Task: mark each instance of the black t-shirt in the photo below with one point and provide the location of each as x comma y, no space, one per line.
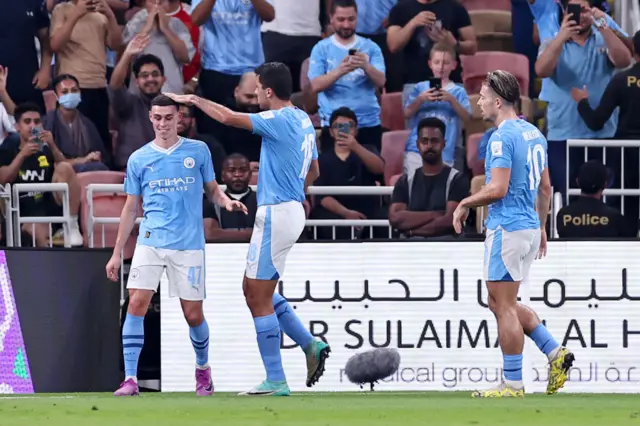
588,217
236,140
233,220
416,53
428,192
218,153
37,168
350,172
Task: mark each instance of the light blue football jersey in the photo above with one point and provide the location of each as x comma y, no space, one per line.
288,147
517,145
170,182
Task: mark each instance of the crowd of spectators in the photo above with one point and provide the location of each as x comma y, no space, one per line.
77,78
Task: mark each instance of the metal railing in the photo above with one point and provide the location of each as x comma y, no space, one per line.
602,144
15,221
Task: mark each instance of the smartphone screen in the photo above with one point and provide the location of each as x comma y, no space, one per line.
574,11
435,83
352,51
344,128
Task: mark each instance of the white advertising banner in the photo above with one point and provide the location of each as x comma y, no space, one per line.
427,300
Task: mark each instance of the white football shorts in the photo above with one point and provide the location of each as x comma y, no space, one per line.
275,231
185,271
508,256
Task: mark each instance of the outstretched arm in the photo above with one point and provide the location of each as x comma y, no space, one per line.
216,195
216,111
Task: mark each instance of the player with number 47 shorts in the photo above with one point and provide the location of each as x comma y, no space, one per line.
518,192
288,164
169,174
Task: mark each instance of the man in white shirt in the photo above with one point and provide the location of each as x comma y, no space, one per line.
290,37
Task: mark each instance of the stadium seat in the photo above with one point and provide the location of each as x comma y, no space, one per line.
478,125
86,178
481,214
50,100
486,4
254,178
107,205
475,165
394,179
493,30
476,67
391,111
393,152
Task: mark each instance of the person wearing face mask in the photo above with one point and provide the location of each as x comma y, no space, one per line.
235,139
76,136
423,202
132,110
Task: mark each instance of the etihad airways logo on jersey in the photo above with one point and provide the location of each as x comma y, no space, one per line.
172,184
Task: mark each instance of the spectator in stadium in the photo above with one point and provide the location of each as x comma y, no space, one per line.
438,97
373,20
76,136
581,54
221,225
235,139
27,157
423,203
81,31
347,70
588,216
187,129
232,46
416,25
7,122
169,40
176,9
21,22
132,110
290,37
347,163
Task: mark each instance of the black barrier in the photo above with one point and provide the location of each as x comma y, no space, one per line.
68,313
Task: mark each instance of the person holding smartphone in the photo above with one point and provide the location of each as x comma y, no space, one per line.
441,98
349,163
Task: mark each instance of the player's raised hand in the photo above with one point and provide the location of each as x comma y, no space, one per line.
236,206
182,99
460,215
113,268
138,44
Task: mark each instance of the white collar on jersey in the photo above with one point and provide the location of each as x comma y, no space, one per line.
169,150
345,46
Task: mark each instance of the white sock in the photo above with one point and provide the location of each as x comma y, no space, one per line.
74,222
553,353
134,378
515,384
202,367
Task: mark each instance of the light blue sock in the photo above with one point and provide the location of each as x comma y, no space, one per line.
544,340
512,367
290,323
200,341
132,341
268,332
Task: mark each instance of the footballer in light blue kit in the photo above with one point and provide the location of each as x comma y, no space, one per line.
288,164
168,174
518,192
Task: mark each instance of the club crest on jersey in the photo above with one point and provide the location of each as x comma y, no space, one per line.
189,163
496,148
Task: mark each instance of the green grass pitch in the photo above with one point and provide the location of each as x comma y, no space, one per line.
320,409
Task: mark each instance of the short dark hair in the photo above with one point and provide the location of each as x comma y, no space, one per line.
504,84
234,156
592,177
277,77
64,77
147,59
432,122
164,101
343,112
636,43
343,3
192,110
25,108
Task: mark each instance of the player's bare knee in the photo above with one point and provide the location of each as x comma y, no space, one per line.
63,172
139,302
193,313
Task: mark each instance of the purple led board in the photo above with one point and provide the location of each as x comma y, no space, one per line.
15,376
